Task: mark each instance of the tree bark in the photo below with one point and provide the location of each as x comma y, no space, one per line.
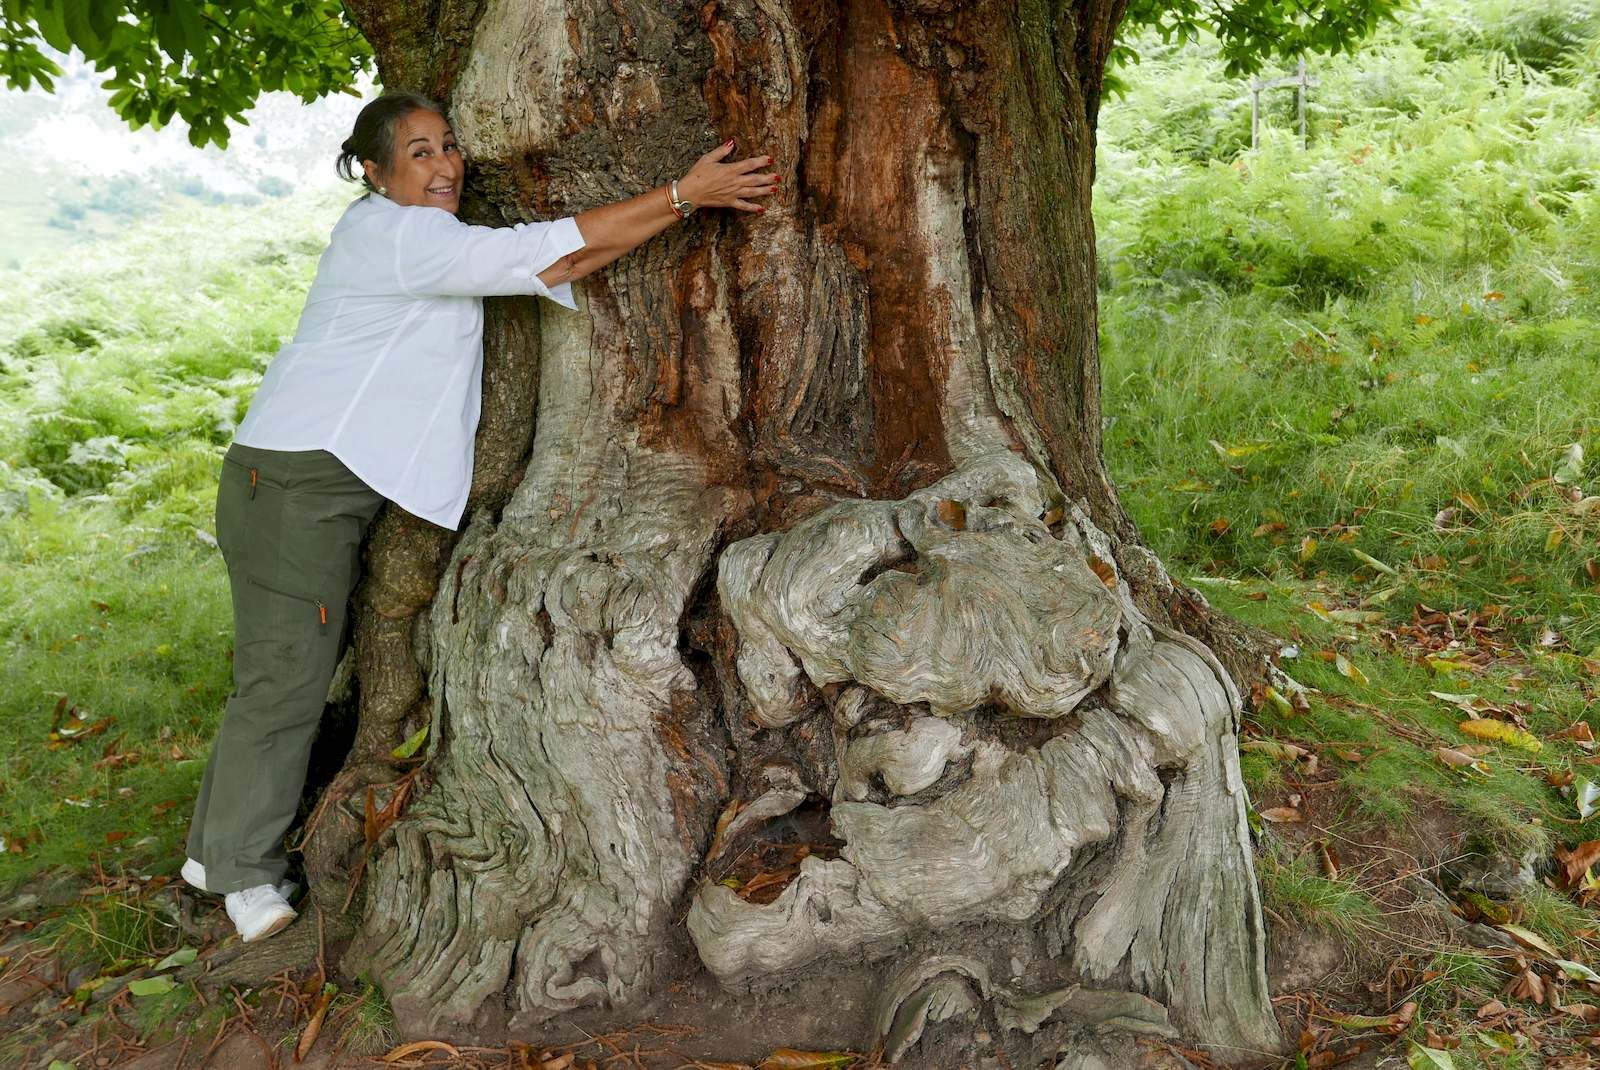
799,529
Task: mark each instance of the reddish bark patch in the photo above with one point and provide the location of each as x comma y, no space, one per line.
876,116
691,406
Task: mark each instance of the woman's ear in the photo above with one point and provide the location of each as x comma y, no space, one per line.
371,170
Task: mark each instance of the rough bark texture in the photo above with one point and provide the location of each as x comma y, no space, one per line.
800,521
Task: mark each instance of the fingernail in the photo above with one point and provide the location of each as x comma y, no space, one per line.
728,142
760,209
769,159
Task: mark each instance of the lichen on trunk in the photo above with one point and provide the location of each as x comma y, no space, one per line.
813,527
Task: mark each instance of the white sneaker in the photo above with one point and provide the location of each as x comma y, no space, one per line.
194,875
258,912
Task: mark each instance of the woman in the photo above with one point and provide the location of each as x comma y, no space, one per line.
376,398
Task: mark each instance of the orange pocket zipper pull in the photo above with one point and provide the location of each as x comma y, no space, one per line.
252,482
322,613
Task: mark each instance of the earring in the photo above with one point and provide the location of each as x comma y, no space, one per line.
383,189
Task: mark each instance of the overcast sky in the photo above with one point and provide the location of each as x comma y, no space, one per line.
67,149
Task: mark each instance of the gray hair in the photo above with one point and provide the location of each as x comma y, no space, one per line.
374,134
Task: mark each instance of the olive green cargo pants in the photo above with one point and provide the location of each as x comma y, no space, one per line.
290,526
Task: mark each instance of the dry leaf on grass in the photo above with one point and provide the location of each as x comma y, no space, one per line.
1273,748
1576,862
1500,732
1529,938
1458,759
308,1036
1393,1024
1348,669
1578,732
1527,985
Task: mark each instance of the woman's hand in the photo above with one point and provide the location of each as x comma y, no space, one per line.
611,230
712,184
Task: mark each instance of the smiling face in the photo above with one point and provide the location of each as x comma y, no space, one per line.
426,168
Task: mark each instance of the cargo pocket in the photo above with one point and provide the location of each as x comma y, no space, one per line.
247,504
253,476
278,633
315,608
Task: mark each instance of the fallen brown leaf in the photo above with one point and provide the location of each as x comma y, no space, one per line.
1526,985
1457,758
1438,1041
1579,732
1576,862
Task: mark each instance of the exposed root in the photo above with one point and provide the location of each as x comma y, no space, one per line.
1122,831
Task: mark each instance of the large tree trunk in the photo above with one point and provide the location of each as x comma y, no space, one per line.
801,523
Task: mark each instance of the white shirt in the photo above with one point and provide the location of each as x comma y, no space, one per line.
385,369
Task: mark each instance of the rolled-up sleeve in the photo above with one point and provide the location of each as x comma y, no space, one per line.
438,255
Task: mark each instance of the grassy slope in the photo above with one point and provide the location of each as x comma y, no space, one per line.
1378,349
1381,346
123,376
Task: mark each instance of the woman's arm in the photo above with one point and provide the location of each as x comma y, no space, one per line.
615,229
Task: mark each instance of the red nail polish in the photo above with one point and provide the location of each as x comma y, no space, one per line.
760,209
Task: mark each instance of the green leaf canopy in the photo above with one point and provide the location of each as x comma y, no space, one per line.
205,63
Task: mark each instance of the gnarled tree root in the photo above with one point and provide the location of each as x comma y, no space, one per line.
934,629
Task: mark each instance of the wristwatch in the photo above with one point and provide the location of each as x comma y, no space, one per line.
681,209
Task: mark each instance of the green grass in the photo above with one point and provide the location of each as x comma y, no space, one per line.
1454,976
122,377
365,1021
1348,380
1295,892
1556,918
159,1018
1377,348
109,933
1368,330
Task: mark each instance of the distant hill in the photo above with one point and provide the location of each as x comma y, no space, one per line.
77,171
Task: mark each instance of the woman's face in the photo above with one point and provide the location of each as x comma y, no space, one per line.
427,166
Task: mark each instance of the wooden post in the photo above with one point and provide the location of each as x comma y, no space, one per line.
1300,99
1255,113
1302,83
